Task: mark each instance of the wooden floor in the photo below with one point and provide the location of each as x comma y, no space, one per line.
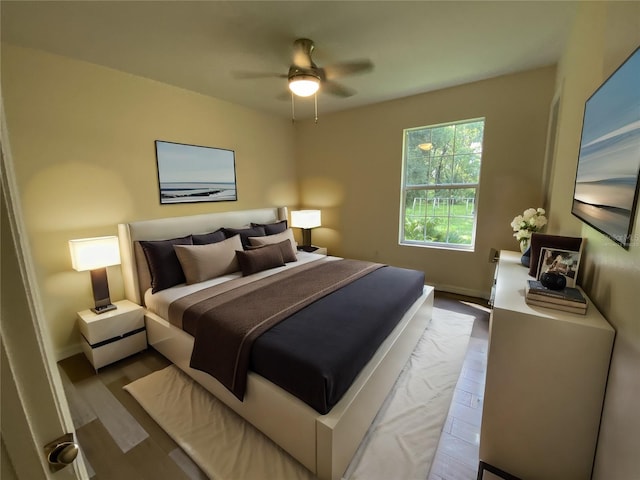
120,441
117,437
457,454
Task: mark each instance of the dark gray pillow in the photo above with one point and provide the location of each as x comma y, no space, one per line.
245,233
272,228
207,238
163,262
259,259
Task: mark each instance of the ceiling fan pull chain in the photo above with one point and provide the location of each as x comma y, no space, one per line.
293,108
315,101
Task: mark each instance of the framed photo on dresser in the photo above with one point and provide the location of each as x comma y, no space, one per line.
564,262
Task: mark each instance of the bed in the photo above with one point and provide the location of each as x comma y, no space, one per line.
321,437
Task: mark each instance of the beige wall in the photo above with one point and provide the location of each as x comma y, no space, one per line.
605,33
350,166
82,138
82,142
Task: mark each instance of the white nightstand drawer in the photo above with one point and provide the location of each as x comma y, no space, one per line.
96,328
115,350
110,336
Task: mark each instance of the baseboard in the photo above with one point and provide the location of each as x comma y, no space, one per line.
68,352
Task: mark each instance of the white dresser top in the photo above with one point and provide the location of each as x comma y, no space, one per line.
512,272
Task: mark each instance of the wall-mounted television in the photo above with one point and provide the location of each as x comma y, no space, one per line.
192,173
606,188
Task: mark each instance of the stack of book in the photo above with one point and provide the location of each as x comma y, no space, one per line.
568,299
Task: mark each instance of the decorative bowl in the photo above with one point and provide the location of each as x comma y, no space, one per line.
553,280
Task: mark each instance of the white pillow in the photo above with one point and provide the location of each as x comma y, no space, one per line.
275,238
203,262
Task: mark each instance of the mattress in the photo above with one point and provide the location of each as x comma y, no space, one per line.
316,353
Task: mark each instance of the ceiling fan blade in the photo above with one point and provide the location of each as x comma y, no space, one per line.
250,75
336,89
338,70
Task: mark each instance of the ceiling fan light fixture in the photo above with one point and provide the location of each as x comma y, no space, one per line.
304,85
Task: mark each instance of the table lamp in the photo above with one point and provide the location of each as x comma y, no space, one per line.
96,254
306,220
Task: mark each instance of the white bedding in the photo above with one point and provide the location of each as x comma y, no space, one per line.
159,302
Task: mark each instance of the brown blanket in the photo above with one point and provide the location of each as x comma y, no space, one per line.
225,326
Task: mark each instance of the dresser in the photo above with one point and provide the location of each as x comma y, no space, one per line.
546,379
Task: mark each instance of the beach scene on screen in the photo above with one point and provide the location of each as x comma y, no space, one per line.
609,159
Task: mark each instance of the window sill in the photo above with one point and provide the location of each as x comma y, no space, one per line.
440,246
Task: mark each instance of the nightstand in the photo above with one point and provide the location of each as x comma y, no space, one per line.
318,250
114,335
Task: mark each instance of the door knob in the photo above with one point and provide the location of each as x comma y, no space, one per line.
61,452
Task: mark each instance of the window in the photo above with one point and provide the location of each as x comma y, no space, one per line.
440,178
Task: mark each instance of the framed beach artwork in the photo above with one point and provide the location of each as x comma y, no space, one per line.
192,173
606,187
564,262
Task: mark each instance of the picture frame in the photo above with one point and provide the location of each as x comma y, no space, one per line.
564,262
607,177
557,242
194,173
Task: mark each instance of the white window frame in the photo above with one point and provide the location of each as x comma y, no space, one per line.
437,187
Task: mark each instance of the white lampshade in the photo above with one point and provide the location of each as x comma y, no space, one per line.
304,85
93,253
306,218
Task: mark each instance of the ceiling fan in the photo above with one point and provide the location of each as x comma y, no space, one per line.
305,78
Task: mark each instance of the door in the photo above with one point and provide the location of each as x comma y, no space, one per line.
34,408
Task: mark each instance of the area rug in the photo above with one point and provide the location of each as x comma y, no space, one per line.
400,443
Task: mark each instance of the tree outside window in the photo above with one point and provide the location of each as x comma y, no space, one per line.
441,174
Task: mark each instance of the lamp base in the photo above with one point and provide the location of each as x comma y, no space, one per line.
307,248
100,287
103,308
306,237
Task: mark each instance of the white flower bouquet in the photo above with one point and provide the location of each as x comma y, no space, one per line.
532,220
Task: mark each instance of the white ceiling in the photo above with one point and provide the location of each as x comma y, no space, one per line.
416,46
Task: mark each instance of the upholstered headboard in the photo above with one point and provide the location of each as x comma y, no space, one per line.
135,271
